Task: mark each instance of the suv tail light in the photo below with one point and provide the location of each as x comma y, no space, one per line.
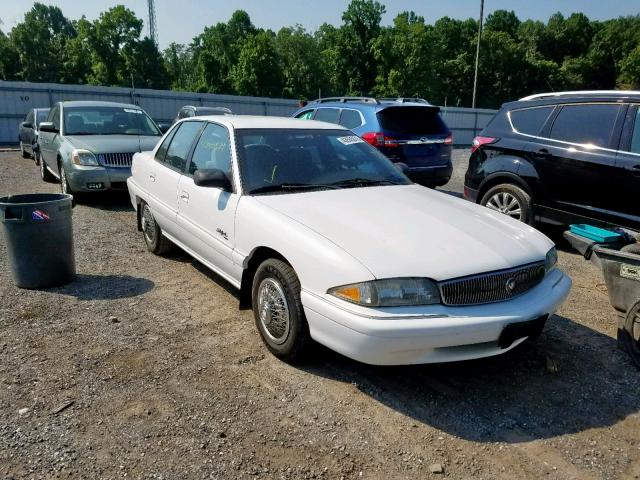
449,139
378,139
480,141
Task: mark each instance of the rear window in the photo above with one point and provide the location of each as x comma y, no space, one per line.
530,120
412,120
586,124
327,115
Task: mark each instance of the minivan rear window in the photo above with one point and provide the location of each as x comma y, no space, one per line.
530,120
412,120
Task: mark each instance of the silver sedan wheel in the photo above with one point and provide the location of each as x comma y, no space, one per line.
148,225
63,180
273,310
506,203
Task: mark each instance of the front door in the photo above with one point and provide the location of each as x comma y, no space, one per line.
626,205
207,214
49,141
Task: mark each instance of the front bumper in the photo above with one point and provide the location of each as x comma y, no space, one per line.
433,176
91,179
428,334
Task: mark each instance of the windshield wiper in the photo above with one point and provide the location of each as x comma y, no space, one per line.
291,187
362,181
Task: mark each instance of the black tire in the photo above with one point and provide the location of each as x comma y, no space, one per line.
45,174
36,157
632,248
156,242
632,328
293,340
504,195
23,152
64,182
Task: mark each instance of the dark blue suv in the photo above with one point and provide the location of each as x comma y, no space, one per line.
406,130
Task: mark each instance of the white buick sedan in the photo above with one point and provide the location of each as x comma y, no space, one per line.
327,240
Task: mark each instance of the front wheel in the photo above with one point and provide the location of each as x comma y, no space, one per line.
23,152
156,242
64,181
278,310
510,200
36,157
45,174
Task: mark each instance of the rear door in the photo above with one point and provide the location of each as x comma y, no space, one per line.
575,158
48,140
327,114
626,204
207,214
164,174
415,135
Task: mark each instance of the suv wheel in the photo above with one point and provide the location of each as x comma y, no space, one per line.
510,200
278,311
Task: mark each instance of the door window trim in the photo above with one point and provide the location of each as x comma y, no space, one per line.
352,110
189,152
546,129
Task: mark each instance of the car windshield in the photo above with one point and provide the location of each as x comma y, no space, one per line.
108,121
288,160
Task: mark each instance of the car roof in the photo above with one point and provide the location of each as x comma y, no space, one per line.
96,103
554,98
366,103
257,121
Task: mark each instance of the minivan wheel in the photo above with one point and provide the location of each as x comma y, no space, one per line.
156,242
278,311
510,200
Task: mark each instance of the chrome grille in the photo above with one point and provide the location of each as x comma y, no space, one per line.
491,287
115,159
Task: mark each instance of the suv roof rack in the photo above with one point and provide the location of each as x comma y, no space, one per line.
405,100
604,93
346,99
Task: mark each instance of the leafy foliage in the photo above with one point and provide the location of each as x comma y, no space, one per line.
359,57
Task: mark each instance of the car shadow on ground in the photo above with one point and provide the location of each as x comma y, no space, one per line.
105,287
116,201
570,380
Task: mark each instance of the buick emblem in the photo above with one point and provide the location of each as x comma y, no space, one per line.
511,285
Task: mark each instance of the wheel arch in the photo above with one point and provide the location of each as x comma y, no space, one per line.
252,262
503,177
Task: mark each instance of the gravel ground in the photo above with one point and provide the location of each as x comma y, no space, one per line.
144,367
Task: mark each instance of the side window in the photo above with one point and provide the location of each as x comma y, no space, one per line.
161,153
29,117
54,116
212,150
327,115
350,119
635,137
587,124
530,120
181,144
306,115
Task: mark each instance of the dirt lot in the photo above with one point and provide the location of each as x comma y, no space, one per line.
169,380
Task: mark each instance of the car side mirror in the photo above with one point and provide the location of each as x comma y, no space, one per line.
212,177
26,125
48,127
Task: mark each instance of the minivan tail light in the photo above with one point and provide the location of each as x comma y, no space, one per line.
480,141
449,139
378,139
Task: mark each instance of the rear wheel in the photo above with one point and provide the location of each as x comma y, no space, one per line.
511,200
632,326
36,156
278,311
156,242
23,152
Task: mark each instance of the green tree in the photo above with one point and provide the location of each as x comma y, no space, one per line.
298,54
40,41
178,60
9,59
258,71
503,21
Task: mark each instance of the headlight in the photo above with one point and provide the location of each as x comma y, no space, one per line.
84,157
391,292
551,259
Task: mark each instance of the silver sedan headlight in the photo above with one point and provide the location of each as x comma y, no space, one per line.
390,292
551,259
84,157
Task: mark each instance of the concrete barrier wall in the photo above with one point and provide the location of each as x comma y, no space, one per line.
17,98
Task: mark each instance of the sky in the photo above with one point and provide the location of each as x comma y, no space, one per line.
181,20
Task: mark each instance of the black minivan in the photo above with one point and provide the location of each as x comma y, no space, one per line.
569,157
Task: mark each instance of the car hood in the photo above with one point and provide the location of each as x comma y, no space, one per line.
410,230
114,143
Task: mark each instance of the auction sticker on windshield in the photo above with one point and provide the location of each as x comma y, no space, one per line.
130,110
350,140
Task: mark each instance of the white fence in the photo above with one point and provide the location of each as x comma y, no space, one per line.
17,98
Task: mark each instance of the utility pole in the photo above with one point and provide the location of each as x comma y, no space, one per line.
153,27
475,77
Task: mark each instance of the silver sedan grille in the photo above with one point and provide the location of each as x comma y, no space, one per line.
491,287
115,159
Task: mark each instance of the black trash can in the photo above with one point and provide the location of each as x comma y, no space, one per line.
39,237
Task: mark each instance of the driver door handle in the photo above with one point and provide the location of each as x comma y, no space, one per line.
152,177
543,153
184,196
